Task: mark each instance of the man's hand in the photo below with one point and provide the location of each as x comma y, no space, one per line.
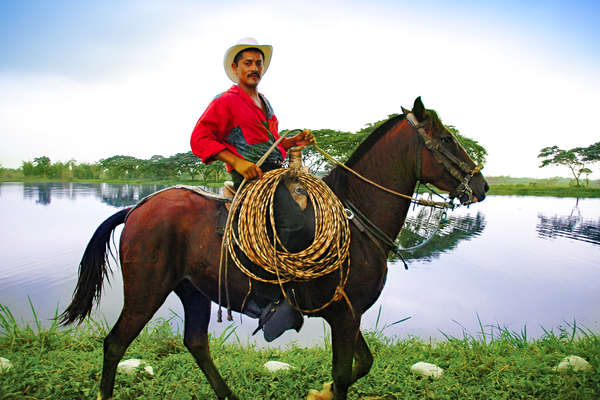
247,169
304,138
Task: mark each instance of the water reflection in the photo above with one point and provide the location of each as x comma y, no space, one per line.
445,234
124,195
573,226
495,260
40,191
115,195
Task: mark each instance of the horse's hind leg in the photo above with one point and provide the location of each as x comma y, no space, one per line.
134,316
197,315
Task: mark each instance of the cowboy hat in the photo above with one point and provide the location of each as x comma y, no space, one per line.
243,44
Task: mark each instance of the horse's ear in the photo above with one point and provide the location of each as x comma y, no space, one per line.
419,109
404,110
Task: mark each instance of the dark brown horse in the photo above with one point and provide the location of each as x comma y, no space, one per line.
169,244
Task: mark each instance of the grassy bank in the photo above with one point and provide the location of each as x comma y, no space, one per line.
554,187
543,190
66,364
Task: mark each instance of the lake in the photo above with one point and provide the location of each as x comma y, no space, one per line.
510,261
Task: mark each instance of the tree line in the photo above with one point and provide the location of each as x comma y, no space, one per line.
577,159
186,166
120,167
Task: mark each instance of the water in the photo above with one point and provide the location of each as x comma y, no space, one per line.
510,261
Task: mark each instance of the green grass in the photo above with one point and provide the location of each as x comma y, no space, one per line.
53,363
533,189
554,187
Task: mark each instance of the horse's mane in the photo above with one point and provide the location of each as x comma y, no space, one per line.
434,120
370,140
337,179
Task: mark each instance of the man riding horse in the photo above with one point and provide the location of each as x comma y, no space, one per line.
238,127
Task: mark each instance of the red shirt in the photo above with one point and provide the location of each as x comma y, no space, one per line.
233,122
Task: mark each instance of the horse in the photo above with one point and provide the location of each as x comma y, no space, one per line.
170,244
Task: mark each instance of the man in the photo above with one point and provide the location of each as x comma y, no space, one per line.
239,126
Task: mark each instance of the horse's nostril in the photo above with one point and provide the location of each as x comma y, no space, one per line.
486,187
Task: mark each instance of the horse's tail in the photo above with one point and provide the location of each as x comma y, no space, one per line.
93,268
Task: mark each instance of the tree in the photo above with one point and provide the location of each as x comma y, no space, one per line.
476,151
28,168
574,159
160,167
121,166
338,144
342,144
87,171
587,173
590,153
188,164
41,166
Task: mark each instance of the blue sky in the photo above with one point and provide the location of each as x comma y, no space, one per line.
88,80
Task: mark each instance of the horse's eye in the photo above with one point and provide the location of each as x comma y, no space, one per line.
447,139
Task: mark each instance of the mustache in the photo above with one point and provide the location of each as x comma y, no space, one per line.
256,74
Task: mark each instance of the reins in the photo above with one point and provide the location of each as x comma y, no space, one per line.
252,201
405,196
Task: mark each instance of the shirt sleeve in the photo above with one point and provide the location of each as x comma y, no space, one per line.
210,132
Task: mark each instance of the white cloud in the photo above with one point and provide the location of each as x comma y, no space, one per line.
333,67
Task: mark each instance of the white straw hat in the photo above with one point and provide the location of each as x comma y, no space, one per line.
242,44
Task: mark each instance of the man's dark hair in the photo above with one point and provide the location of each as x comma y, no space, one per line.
239,54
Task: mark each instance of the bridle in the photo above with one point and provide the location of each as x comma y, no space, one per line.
448,160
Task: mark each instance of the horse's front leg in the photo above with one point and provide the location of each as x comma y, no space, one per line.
344,333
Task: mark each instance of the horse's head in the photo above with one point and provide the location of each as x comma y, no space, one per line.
443,161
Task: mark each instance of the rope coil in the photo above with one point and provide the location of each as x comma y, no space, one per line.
329,252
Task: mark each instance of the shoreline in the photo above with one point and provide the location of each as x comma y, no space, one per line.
532,188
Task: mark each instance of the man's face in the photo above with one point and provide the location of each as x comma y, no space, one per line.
249,68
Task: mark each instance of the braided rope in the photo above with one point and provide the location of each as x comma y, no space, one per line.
329,252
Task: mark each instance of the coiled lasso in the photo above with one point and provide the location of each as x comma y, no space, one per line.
329,251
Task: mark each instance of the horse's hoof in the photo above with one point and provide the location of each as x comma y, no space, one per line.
325,394
102,398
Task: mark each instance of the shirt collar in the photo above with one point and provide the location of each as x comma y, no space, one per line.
238,91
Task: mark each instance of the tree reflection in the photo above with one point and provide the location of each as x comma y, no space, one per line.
125,195
573,226
42,192
115,195
451,231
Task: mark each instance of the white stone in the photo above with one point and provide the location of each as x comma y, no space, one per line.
273,366
427,369
5,364
131,365
574,363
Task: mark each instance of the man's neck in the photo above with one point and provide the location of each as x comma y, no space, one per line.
251,91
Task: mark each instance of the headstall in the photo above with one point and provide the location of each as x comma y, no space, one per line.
450,162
